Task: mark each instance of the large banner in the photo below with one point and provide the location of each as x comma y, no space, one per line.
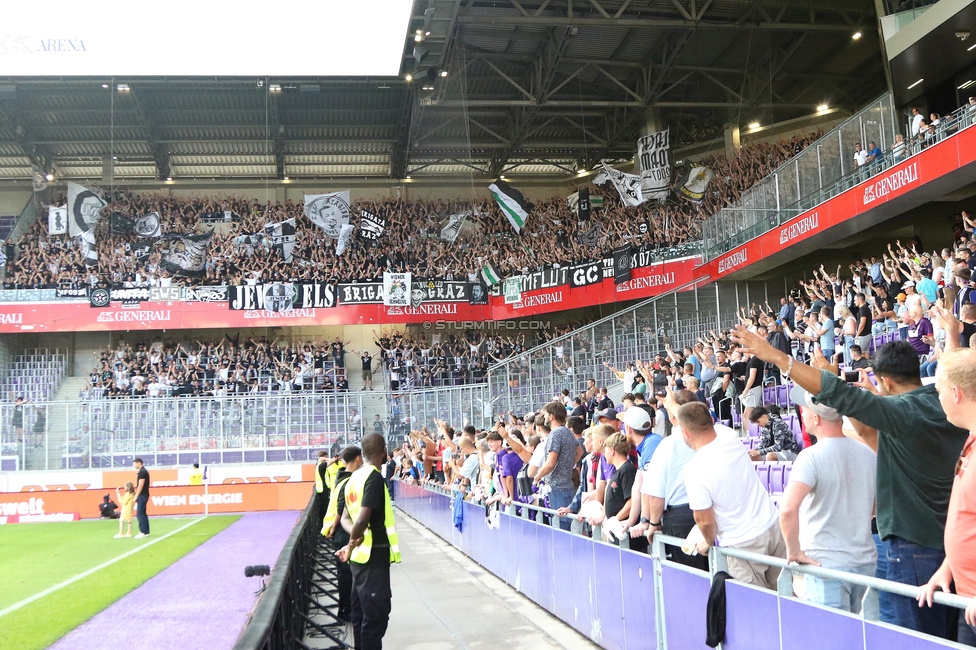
57,220
281,297
512,290
694,183
370,226
330,212
396,289
186,255
84,208
654,155
628,185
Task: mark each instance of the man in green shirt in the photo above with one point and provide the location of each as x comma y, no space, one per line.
917,451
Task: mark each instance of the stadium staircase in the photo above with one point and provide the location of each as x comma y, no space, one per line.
57,424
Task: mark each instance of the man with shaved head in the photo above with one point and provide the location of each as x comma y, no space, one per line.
373,545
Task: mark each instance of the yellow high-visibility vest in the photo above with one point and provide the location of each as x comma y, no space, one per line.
329,520
355,487
319,485
331,472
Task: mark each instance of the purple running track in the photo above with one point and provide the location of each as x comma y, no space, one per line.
201,601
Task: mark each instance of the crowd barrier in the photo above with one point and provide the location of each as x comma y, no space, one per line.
622,599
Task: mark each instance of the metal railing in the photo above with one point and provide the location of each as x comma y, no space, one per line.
809,178
679,317
300,600
459,405
763,209
718,562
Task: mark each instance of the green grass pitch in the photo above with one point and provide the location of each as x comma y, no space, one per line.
35,557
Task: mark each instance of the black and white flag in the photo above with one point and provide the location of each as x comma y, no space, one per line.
88,251
279,297
186,255
119,224
147,225
38,179
627,185
370,226
451,227
282,237
589,237
84,207
346,234
139,251
57,220
579,203
622,260
654,154
694,183
330,212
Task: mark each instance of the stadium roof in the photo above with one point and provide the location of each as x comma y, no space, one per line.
522,87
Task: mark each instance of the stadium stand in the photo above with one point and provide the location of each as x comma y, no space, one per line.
410,242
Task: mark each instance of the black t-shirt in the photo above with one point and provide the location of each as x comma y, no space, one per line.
367,362
863,312
739,375
374,496
759,365
143,473
618,491
107,508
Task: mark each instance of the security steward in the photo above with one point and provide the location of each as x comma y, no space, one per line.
322,486
373,545
351,459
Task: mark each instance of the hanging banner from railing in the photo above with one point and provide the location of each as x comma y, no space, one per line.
281,297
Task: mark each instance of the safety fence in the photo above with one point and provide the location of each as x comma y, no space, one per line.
677,318
623,599
300,599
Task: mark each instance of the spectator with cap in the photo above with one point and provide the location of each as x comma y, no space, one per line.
607,416
776,437
727,498
826,510
917,449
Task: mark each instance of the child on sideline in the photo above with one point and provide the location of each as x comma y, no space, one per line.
127,501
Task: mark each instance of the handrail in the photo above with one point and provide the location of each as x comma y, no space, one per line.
660,540
596,323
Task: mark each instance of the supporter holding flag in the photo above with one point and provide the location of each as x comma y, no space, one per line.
512,203
904,423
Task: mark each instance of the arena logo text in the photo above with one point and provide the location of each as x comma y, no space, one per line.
656,280
553,298
739,258
893,182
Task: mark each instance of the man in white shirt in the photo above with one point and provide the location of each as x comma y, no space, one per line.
664,500
917,119
827,507
729,502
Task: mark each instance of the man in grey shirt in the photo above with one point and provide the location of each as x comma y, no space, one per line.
561,456
827,507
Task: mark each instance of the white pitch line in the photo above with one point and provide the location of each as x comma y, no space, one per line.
85,574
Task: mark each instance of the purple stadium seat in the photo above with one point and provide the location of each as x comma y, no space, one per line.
777,481
763,470
753,429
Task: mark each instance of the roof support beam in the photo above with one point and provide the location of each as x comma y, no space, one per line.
159,151
667,23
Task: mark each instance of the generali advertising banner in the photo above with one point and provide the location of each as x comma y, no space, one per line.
893,183
543,292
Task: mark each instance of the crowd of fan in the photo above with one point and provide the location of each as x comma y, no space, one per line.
232,366
869,487
411,241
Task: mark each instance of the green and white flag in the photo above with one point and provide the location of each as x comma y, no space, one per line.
490,275
512,203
